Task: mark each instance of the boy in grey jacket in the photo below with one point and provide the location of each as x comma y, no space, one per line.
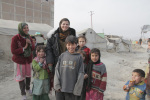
69,72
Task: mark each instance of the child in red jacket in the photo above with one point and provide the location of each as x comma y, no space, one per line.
81,46
21,48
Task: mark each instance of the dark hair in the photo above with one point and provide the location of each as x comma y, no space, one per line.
140,72
71,39
82,37
33,37
64,19
40,47
95,50
148,40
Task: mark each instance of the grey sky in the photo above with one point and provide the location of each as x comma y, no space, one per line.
120,17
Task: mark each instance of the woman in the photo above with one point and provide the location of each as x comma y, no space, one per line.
56,43
21,48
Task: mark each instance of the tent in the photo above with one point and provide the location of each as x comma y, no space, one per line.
118,44
9,28
93,39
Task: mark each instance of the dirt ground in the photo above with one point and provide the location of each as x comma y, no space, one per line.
119,69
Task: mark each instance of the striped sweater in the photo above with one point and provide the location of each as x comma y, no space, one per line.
99,77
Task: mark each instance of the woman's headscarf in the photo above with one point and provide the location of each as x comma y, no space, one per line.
27,51
20,29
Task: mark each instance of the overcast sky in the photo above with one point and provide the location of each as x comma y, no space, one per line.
118,17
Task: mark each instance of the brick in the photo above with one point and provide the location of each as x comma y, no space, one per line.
20,18
29,19
7,8
7,16
29,12
37,6
20,10
20,3
29,4
8,1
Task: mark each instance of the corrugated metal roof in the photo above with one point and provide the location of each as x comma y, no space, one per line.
101,35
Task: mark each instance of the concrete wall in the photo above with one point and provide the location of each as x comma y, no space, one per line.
94,40
34,11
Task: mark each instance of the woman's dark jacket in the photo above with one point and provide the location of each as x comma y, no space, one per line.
53,47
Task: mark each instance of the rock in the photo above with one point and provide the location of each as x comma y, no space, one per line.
1,53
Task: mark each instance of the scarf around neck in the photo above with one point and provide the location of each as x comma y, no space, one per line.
63,35
37,59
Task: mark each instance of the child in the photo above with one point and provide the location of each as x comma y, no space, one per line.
147,73
97,76
41,79
83,94
21,48
136,88
81,46
69,72
35,44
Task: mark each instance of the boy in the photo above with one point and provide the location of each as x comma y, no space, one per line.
136,88
35,44
69,72
147,74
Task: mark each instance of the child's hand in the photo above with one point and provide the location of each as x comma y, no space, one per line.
41,60
85,76
28,41
26,46
131,83
58,90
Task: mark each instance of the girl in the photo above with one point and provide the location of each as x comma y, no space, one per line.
21,48
81,46
83,94
41,79
97,76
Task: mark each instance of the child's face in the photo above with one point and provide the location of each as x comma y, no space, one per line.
137,77
81,42
34,41
149,45
94,57
26,29
41,53
71,47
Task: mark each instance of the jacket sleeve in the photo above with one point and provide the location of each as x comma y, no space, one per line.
49,52
14,47
87,51
103,80
125,86
36,66
73,31
79,84
57,76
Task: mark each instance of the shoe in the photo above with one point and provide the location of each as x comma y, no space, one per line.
24,97
29,92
